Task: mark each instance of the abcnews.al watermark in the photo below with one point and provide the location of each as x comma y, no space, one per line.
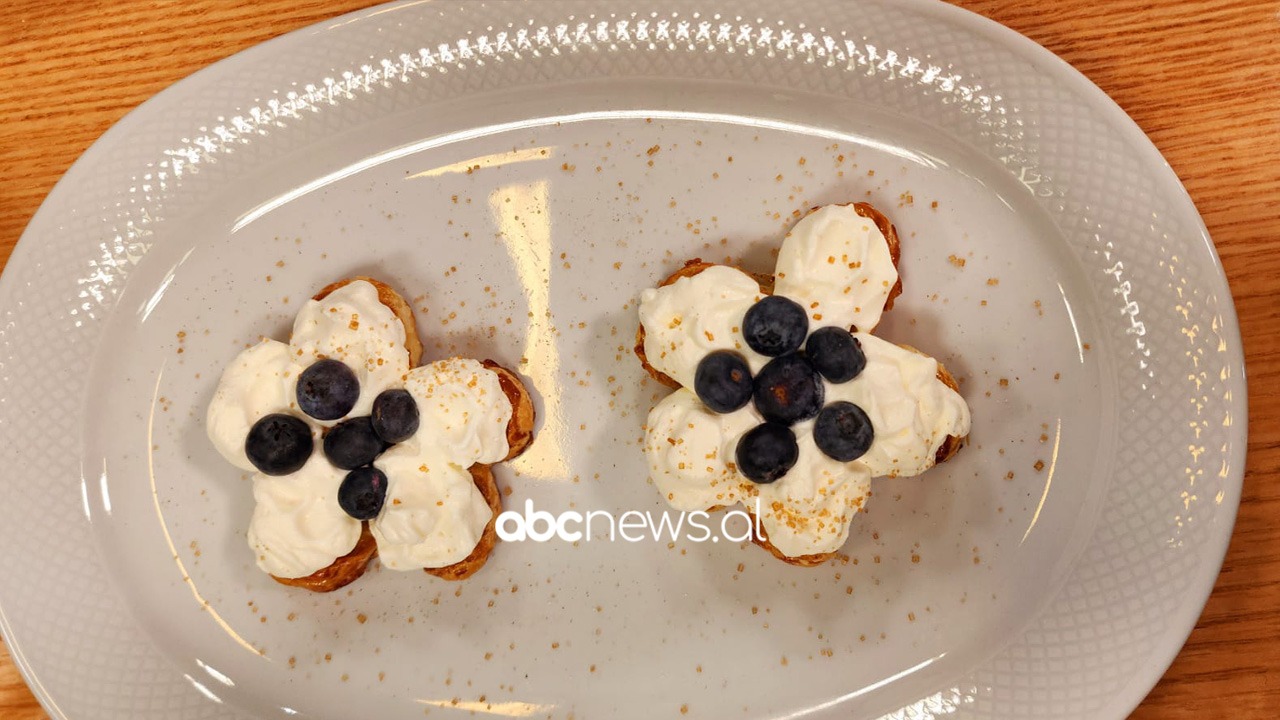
631,526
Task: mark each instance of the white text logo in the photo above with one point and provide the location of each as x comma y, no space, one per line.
631,526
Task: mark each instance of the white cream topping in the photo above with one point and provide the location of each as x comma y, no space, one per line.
691,451
352,325
434,514
837,265
808,511
691,317
298,527
260,381
911,410
461,407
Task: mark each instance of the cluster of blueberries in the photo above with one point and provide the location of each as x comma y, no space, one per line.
788,389
280,444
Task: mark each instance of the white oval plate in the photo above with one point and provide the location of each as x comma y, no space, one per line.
523,172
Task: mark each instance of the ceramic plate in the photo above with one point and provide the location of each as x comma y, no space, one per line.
522,172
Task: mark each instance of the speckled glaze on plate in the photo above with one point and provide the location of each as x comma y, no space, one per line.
522,173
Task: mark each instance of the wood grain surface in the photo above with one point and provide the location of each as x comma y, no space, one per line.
1201,77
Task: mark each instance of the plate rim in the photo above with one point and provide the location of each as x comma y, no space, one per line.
1172,643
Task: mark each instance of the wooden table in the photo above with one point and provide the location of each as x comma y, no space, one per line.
1202,78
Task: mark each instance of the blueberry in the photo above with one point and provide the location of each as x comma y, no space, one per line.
327,390
352,443
723,381
843,431
362,492
836,354
279,444
395,415
788,390
775,326
767,452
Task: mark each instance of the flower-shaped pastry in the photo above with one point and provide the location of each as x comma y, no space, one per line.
785,402
357,452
